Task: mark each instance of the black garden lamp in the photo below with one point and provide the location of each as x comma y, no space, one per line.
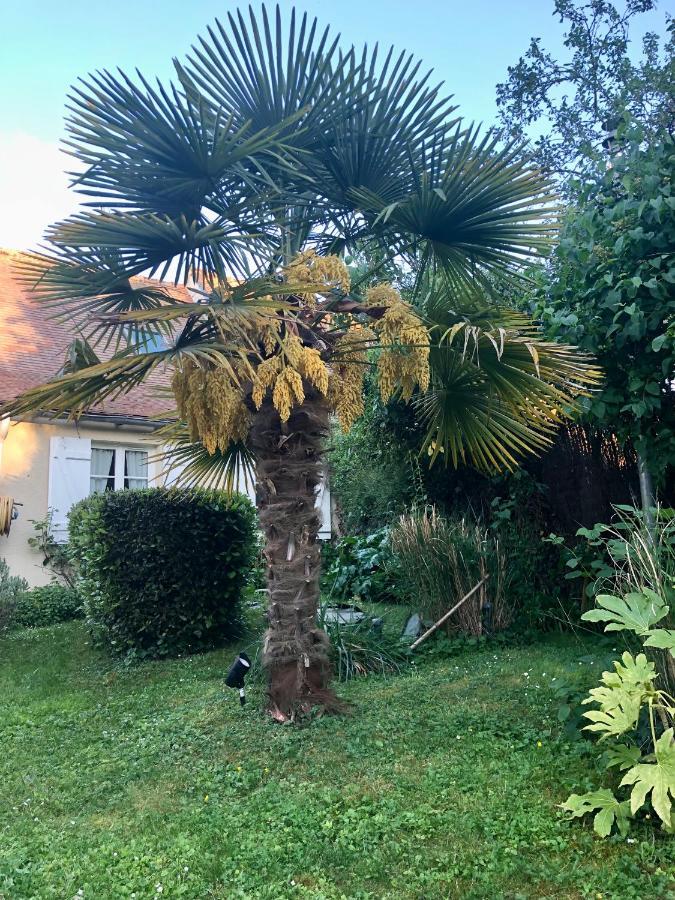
238,672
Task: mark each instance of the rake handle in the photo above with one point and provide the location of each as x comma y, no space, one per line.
447,615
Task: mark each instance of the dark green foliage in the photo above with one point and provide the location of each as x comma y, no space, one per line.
163,571
612,294
537,592
361,568
371,468
11,588
48,605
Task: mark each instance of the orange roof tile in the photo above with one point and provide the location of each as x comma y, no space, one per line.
33,347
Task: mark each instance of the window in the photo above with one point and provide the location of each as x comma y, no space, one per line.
117,468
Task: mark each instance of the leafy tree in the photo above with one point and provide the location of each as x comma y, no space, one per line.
611,292
272,153
597,87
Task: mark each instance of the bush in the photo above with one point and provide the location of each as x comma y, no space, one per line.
441,560
48,605
11,588
371,471
363,568
162,571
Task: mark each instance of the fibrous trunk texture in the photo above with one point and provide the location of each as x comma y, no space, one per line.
289,470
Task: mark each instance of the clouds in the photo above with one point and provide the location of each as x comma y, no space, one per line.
34,190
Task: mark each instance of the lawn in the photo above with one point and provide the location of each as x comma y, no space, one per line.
443,783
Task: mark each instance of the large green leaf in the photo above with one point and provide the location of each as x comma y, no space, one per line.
475,210
189,464
620,696
610,810
156,150
622,757
634,612
663,639
657,778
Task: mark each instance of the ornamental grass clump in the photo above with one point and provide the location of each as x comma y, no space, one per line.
441,560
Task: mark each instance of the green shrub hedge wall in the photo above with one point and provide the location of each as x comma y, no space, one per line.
163,571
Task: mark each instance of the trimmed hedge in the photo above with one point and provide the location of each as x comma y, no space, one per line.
47,605
11,588
163,571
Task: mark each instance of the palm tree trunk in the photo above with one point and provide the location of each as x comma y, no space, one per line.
289,470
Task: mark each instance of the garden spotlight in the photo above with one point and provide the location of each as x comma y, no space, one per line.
238,671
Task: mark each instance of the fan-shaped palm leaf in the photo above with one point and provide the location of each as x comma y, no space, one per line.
155,150
188,463
476,212
498,390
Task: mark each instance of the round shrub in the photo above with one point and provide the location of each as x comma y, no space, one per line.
48,605
163,571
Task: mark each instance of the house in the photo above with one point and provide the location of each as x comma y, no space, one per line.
47,464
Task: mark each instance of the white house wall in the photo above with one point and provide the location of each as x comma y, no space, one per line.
32,461
25,476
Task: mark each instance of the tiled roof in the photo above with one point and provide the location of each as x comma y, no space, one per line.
33,347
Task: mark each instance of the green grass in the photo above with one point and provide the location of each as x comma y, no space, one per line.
118,782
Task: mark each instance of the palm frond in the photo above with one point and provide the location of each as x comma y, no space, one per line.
263,75
477,211
156,150
468,423
89,287
157,245
189,464
83,389
498,390
395,112
79,355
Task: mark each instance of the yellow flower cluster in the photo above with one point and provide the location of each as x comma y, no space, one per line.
265,376
345,391
286,377
288,391
382,295
211,404
404,361
256,327
328,273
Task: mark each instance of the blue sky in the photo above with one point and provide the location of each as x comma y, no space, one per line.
469,44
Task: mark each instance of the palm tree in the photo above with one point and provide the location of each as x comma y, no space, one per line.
272,155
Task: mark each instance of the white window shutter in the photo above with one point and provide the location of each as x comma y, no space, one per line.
69,474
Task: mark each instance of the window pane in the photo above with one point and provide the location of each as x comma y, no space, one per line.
135,469
102,470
